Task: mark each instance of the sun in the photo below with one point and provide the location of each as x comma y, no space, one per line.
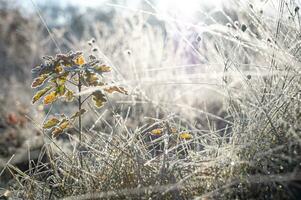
184,9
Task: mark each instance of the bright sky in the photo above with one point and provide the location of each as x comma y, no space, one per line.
182,7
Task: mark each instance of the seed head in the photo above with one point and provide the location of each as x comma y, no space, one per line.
243,27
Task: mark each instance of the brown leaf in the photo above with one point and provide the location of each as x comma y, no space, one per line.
56,132
91,79
39,81
116,89
98,98
64,124
78,113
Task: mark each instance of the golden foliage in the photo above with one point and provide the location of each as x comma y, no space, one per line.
40,93
185,136
80,60
51,97
51,123
157,131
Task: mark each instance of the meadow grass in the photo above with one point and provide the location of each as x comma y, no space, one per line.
231,83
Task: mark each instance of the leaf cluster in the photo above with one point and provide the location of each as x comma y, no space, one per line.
59,77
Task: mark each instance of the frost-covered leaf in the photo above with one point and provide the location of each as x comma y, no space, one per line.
91,79
39,81
102,68
98,98
157,131
40,93
63,125
51,123
116,89
78,113
51,97
80,60
42,69
185,136
69,95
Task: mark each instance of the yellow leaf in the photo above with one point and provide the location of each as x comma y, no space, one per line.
51,123
102,68
80,60
157,131
39,81
116,89
40,93
51,97
185,136
98,98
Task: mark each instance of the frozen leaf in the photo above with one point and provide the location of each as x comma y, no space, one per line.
80,60
64,124
102,68
116,89
98,98
157,131
79,113
51,97
51,123
60,79
91,79
42,69
69,95
39,81
40,93
56,132
185,136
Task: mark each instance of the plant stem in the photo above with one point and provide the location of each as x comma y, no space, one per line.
80,118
